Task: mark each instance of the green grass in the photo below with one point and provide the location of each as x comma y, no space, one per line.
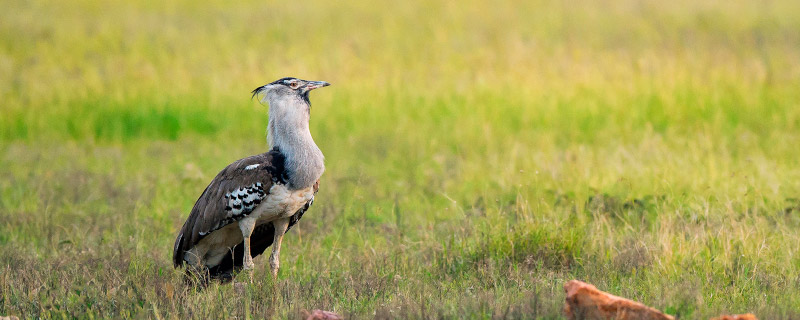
478,155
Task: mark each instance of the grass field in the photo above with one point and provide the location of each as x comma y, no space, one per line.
478,154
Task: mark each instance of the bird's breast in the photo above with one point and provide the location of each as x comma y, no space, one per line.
282,202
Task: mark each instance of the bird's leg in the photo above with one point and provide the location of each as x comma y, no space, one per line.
247,226
248,258
274,260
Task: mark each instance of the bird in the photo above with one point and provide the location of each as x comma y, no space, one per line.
252,202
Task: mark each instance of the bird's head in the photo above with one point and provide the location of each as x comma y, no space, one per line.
287,88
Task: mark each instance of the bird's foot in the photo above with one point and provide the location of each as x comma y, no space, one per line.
250,275
249,268
248,264
274,265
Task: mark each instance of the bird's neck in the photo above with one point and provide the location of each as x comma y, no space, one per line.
289,133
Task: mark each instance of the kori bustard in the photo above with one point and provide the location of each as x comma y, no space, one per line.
253,202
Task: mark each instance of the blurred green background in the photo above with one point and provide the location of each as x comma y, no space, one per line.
479,154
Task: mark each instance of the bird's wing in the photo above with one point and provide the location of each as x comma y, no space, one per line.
233,194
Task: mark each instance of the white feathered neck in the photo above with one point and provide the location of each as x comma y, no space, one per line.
288,130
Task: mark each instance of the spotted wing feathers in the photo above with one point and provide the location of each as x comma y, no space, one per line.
245,199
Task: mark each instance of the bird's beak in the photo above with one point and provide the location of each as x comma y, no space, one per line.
316,84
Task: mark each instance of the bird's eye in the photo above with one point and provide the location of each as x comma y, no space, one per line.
294,84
